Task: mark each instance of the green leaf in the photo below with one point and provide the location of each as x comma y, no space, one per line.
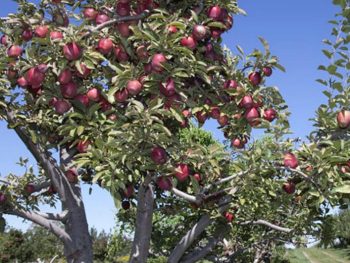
344,189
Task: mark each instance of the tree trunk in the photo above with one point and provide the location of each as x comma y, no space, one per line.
76,226
142,237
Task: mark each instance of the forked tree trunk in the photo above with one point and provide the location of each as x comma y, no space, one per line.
142,237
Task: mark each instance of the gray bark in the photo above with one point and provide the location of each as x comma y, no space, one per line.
75,234
143,231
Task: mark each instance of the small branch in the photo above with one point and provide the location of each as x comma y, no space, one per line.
268,224
115,21
5,182
307,178
190,198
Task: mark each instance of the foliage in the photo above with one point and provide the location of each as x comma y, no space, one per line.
141,96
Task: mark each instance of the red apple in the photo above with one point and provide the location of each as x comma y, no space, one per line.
72,51
343,119
90,13
94,94
189,42
182,171
229,217
83,99
29,188
214,12
22,82
201,116
121,95
230,84
197,177
252,115
101,18
290,160
105,45
270,115
157,62
83,146
27,34
41,31
158,155
85,71
128,191
62,106
164,183
72,176
255,78
65,76
124,29
199,32
126,205
223,120
267,71
14,51
172,29
105,105
134,87
35,76
123,9
4,40
215,112
69,90
168,89
56,35
289,187
120,54
238,143
3,198
247,102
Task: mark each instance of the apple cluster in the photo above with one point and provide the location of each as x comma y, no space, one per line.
144,56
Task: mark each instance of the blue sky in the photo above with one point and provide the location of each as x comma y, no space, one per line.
295,30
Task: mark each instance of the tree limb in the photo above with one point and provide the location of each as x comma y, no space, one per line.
190,198
44,222
189,238
54,216
268,224
115,21
198,254
42,157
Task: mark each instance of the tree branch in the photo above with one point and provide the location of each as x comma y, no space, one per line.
198,254
54,216
189,238
44,222
115,21
43,157
190,198
268,224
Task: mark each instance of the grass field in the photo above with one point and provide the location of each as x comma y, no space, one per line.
316,255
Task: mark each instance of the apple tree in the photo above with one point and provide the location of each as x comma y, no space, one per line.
101,92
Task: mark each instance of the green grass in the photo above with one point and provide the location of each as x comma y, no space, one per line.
319,255
296,256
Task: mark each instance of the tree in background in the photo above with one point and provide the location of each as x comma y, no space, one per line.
107,100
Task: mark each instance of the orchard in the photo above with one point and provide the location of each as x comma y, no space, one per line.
115,93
